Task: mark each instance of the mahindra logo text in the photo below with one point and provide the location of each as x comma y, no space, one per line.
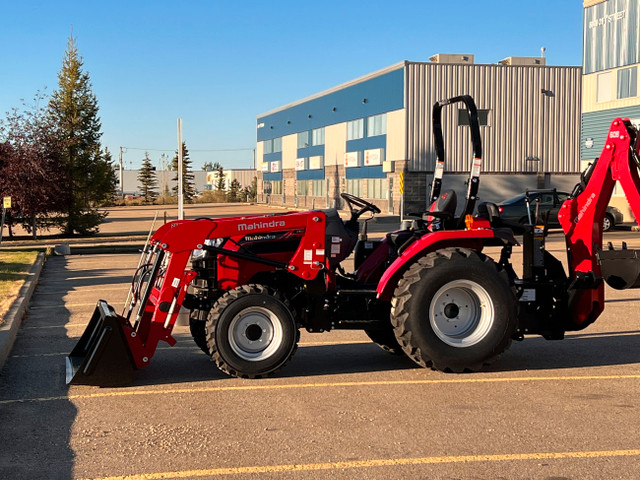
253,226
585,207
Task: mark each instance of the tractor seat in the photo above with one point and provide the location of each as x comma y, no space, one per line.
339,240
442,210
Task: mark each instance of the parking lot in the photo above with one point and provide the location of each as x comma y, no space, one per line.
342,408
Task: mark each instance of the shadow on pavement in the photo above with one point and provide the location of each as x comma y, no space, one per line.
183,364
575,351
36,434
180,365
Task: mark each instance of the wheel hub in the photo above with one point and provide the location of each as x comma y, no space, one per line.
255,334
451,310
461,313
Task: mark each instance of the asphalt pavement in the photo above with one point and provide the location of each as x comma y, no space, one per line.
342,408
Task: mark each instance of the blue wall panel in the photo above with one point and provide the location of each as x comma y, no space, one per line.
365,172
272,177
312,151
310,174
367,143
384,93
272,157
595,126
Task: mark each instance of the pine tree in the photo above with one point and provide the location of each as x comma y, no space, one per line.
188,189
234,191
148,181
74,108
219,175
252,190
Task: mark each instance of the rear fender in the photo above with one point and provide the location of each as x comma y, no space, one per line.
472,239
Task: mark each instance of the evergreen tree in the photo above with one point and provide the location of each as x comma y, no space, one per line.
234,191
219,175
188,189
74,109
148,181
207,167
252,190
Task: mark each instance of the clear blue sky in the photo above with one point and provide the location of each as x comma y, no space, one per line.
218,65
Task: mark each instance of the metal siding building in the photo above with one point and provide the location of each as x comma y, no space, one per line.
523,122
531,138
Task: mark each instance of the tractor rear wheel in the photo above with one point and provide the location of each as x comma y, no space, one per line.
199,334
454,310
251,332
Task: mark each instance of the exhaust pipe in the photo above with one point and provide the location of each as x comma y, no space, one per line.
102,356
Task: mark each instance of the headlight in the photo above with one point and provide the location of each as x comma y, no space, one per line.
212,242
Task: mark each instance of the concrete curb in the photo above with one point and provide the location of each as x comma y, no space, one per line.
15,315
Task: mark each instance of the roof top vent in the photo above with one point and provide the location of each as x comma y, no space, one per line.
464,58
524,61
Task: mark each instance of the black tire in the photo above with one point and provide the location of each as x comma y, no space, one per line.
251,332
385,338
198,331
607,223
454,310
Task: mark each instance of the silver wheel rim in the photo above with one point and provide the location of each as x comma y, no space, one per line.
255,334
606,224
461,313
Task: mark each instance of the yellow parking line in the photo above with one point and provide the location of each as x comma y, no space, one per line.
381,462
255,386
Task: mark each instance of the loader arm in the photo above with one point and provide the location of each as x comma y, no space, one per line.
581,219
166,278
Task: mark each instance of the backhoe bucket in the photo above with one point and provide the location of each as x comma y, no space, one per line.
620,268
102,356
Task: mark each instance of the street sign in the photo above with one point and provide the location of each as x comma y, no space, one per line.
6,203
401,183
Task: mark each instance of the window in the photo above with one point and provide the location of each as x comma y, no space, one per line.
355,129
354,186
303,188
628,82
303,139
463,117
273,146
604,87
377,188
317,136
377,125
276,187
318,188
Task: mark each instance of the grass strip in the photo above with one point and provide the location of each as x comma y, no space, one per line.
14,270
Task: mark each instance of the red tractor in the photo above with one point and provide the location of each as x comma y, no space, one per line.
427,290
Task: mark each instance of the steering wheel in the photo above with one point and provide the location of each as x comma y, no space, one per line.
363,205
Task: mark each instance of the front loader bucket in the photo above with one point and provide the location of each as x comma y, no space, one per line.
102,356
620,268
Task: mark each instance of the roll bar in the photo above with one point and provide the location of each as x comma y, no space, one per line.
474,176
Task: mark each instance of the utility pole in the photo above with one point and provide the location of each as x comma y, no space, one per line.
180,192
121,175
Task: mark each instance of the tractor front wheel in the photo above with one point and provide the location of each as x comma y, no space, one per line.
454,310
251,332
